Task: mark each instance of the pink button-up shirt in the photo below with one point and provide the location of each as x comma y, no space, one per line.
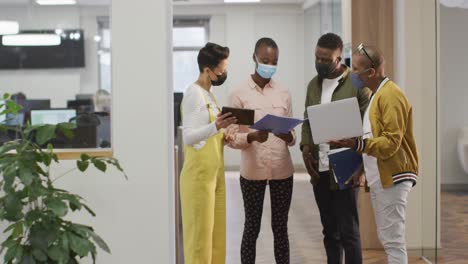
270,160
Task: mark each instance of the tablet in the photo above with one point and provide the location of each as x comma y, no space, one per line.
244,116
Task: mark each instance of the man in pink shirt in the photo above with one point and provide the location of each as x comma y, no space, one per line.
265,157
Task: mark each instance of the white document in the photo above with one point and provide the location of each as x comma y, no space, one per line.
336,120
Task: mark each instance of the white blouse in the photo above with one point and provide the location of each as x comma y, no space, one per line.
197,127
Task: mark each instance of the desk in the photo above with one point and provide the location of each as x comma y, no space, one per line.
74,154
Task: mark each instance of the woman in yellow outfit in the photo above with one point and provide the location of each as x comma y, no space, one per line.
202,182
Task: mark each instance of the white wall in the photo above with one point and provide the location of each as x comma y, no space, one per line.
239,27
58,84
419,81
454,89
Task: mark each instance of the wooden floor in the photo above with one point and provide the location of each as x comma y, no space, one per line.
454,228
304,227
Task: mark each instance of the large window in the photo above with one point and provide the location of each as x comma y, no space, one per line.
189,36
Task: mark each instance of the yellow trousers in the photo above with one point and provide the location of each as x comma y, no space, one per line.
203,200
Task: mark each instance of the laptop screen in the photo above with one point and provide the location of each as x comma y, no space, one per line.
52,116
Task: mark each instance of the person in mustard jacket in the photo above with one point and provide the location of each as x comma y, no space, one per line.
202,182
388,148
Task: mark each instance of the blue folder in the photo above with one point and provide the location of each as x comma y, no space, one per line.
344,164
277,124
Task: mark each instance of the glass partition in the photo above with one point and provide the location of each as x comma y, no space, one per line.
55,61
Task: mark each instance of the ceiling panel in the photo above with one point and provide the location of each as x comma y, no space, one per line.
80,2
14,2
207,2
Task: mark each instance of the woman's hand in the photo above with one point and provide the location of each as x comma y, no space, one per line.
223,121
288,138
259,136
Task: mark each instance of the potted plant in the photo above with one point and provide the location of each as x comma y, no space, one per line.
34,207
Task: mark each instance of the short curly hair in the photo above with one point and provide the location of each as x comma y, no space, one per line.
330,41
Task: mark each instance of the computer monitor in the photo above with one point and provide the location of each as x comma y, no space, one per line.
84,96
81,105
52,116
35,104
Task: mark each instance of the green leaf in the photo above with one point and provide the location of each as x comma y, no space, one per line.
9,228
28,259
58,254
67,129
13,107
26,176
100,242
18,231
10,242
30,129
38,240
6,96
82,165
9,176
46,159
13,208
74,201
8,147
58,207
43,234
85,157
100,165
81,230
12,252
45,133
73,261
39,255
36,190
68,126
64,243
89,210
55,158
79,245
33,216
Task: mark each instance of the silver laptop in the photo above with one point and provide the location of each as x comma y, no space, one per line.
336,120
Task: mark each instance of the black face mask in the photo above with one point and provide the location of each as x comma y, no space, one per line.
221,79
324,69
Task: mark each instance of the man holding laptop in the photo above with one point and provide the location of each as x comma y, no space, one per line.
388,148
338,209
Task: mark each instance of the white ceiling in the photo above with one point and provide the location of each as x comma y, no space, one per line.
455,3
207,2
80,2
182,2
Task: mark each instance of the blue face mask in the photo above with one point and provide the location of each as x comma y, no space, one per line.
265,71
356,81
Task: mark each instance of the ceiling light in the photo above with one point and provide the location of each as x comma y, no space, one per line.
9,27
31,40
56,2
241,1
